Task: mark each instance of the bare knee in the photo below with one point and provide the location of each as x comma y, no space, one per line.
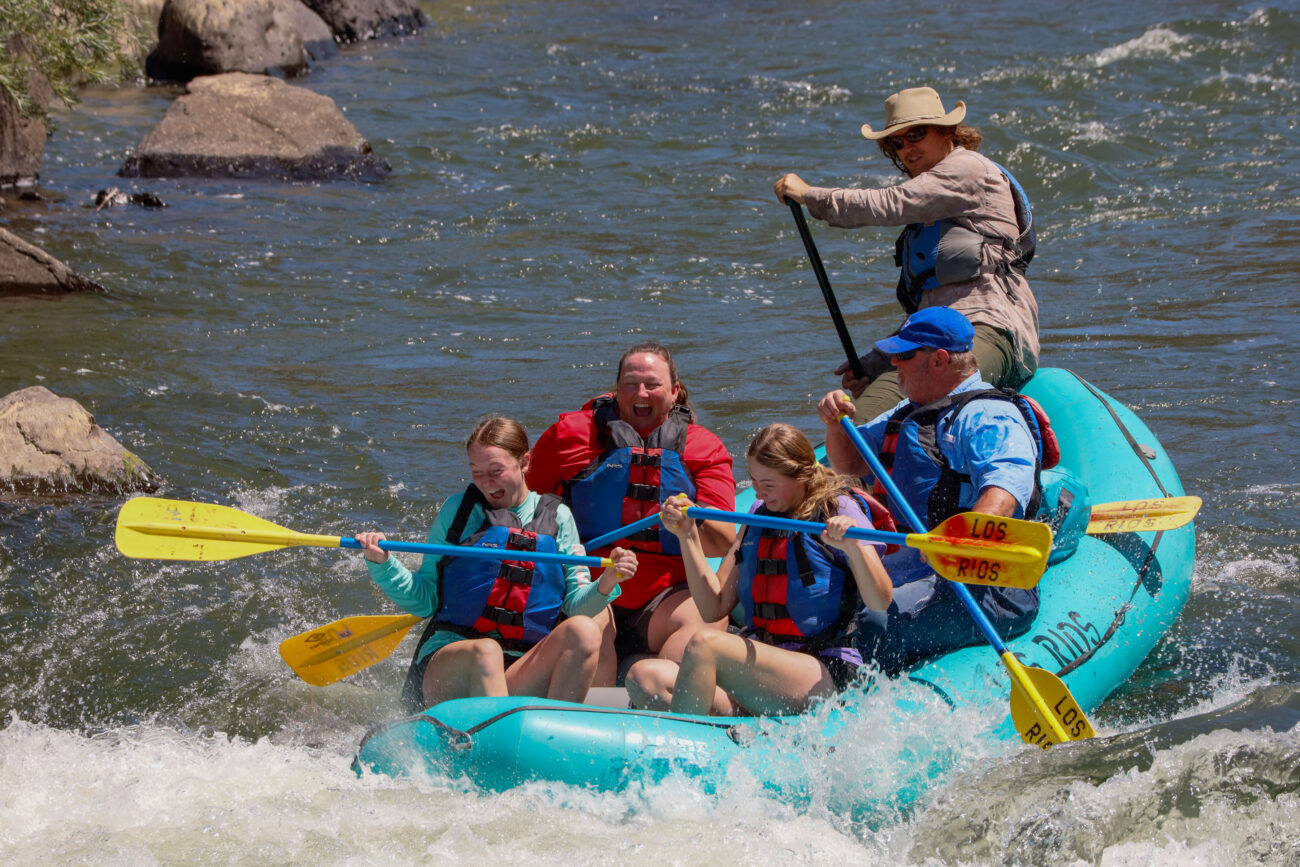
485,656
650,682
652,675
704,644
581,634
468,667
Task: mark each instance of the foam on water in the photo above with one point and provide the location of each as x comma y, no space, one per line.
1194,787
569,178
145,793
1156,42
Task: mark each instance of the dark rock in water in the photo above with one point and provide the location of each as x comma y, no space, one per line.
210,37
113,197
28,270
358,20
317,38
51,444
22,136
251,126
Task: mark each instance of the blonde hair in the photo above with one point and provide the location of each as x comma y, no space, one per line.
504,433
785,449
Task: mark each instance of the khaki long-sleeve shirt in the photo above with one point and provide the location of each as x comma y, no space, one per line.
966,187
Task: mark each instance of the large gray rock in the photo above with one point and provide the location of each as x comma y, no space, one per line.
51,444
209,37
357,20
251,126
28,270
317,38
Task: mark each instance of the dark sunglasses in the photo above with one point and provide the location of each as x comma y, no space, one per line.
908,355
912,136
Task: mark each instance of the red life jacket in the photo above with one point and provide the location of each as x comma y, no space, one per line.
796,590
630,477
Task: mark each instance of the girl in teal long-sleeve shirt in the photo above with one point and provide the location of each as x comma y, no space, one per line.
457,660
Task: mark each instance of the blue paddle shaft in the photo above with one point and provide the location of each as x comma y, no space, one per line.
480,553
909,514
774,522
622,532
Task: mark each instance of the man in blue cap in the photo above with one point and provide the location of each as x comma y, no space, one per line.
954,444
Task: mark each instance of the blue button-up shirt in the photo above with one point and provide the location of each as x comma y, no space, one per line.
988,440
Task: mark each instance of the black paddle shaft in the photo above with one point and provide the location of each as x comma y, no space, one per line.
832,305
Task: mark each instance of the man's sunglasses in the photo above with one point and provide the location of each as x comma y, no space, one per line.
912,136
906,356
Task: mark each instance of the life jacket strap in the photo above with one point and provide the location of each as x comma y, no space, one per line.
516,574
522,541
642,492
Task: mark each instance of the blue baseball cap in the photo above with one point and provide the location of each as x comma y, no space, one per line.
931,328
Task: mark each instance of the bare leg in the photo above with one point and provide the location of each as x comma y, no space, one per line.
561,665
674,622
650,685
607,663
763,678
474,667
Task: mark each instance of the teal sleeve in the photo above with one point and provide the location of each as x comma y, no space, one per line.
588,600
416,592
581,595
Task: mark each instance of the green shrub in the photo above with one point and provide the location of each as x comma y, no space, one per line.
71,42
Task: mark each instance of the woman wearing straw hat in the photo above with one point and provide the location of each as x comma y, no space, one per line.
967,239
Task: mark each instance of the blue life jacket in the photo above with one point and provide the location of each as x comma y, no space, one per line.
911,455
515,599
794,589
631,477
950,251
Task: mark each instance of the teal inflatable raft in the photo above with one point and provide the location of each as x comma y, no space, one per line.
1106,601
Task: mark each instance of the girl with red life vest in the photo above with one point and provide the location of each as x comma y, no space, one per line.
615,461
496,627
800,594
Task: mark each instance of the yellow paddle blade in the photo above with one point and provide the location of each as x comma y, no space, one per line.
331,653
159,529
1133,516
990,550
1042,708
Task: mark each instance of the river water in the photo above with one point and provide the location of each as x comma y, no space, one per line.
569,178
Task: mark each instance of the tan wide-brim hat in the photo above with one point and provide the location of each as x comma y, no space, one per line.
914,106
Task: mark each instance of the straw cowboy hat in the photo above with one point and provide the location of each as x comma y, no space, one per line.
916,105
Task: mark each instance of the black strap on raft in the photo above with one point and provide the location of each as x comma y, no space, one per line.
1141,556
